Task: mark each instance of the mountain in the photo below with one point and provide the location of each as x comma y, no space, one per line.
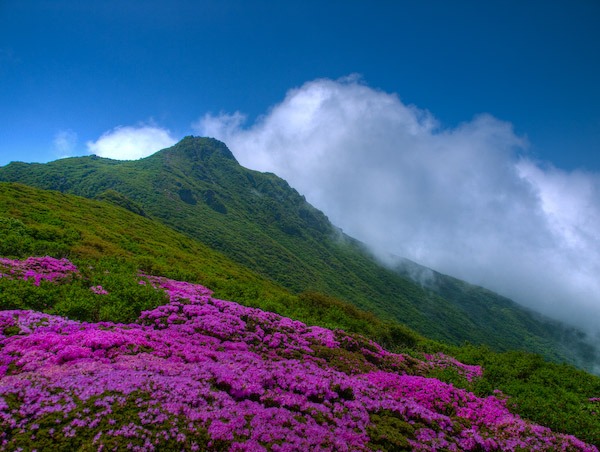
110,244
257,220
97,234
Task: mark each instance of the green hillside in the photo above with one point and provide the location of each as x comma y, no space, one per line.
109,244
199,189
97,234
495,311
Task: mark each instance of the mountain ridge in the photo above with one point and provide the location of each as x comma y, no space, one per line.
111,245
197,187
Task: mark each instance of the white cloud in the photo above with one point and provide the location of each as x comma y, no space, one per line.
65,142
463,201
131,143
222,125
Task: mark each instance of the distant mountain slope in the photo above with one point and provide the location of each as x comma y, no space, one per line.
493,309
99,235
198,188
40,222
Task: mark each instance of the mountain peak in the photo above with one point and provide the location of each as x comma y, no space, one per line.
196,149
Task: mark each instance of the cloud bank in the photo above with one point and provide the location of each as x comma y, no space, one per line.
131,143
465,201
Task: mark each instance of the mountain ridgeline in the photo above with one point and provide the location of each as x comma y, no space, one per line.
257,220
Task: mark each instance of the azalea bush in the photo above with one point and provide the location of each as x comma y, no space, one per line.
104,292
199,373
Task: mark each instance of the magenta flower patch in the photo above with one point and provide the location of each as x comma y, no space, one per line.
199,373
98,290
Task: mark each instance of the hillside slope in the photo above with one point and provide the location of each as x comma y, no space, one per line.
198,188
199,373
100,235
109,245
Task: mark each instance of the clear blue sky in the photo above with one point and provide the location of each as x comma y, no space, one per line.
86,67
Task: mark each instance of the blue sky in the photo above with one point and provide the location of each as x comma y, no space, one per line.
83,68
464,135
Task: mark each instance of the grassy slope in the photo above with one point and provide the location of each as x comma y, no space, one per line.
37,222
89,232
257,220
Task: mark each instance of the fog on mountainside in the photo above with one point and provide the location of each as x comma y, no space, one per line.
466,201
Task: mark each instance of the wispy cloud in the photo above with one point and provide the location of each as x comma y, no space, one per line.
131,142
465,200
65,143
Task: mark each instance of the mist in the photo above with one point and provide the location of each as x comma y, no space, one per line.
467,201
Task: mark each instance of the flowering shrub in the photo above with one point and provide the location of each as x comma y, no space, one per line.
37,269
199,373
439,361
98,290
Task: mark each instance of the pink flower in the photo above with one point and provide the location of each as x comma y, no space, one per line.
98,290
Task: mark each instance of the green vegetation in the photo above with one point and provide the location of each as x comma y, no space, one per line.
127,232
123,303
554,395
255,219
118,243
533,333
97,234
